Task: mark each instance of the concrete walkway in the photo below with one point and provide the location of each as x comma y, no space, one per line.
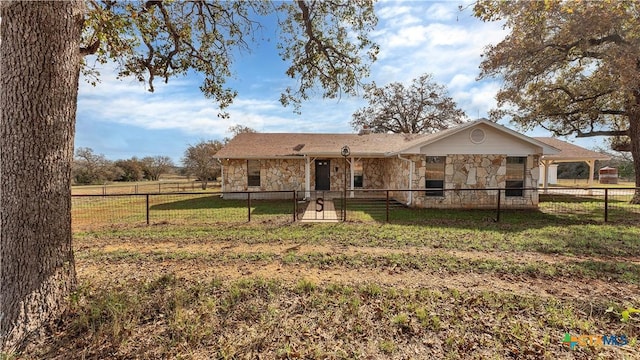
320,213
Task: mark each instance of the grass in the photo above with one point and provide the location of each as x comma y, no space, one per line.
569,239
458,285
99,211
108,211
276,320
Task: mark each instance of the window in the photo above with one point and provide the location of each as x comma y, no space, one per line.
358,174
435,175
515,175
253,172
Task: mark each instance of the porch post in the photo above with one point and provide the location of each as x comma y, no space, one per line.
545,181
307,177
592,165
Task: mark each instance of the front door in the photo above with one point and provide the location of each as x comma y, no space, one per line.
323,175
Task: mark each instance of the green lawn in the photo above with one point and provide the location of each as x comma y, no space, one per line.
98,211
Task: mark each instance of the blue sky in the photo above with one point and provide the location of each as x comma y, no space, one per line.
121,119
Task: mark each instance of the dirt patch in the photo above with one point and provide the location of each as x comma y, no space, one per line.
206,271
284,247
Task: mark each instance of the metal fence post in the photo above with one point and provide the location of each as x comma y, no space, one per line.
498,210
387,205
606,204
147,196
295,204
248,206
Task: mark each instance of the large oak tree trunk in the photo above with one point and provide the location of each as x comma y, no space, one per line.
39,66
634,135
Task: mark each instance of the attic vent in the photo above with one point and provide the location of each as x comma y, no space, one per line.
477,136
298,147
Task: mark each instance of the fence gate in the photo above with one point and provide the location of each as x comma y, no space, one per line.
321,206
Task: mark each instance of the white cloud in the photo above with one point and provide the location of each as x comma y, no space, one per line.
441,12
460,81
392,10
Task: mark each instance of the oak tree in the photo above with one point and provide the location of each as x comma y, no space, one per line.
570,67
236,130
91,168
422,107
199,161
154,166
44,44
132,169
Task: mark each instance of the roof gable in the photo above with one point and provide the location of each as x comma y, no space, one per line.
449,134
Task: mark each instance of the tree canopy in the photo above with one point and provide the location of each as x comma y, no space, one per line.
236,130
198,160
325,42
422,107
570,67
91,168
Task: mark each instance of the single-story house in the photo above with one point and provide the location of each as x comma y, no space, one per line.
457,167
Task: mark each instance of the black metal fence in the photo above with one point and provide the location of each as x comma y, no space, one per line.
575,204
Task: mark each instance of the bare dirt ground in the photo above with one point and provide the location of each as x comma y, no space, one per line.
566,287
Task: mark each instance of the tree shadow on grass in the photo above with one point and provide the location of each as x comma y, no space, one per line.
509,219
569,198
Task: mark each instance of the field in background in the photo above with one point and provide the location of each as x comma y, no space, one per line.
585,183
170,184
453,289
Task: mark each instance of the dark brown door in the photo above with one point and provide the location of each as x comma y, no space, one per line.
323,175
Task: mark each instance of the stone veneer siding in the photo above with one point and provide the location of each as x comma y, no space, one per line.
461,172
275,175
479,172
373,173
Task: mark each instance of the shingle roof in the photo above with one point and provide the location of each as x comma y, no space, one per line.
274,145
261,145
570,151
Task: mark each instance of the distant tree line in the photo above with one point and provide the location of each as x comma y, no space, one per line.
91,168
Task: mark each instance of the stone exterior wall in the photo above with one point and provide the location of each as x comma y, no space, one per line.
479,172
397,177
234,175
476,172
373,171
337,175
275,175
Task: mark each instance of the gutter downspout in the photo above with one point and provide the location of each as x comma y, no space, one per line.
411,170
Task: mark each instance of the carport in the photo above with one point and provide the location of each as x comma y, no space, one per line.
568,153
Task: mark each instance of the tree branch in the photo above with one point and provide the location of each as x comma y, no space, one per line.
592,133
91,49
